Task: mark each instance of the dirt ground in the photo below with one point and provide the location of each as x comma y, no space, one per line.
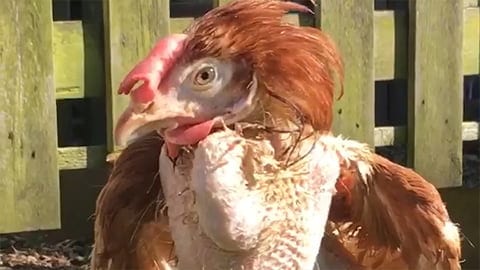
33,253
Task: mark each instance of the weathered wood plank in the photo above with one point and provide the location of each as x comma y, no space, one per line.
68,53
351,24
471,41
29,185
391,31
217,3
470,3
292,18
94,62
435,86
78,60
385,136
131,29
93,36
390,44
470,131
178,25
82,157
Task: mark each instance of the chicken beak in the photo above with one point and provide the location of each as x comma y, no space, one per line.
142,118
151,105
133,124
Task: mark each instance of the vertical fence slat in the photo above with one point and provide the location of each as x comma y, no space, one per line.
94,81
93,38
29,185
351,24
435,90
131,29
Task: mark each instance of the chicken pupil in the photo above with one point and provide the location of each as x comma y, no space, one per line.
205,75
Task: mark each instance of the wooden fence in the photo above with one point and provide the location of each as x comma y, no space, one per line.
48,67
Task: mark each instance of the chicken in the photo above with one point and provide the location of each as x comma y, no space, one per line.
230,162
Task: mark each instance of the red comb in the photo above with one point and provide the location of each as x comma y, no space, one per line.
152,69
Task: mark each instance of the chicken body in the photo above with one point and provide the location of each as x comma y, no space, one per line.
242,171
230,206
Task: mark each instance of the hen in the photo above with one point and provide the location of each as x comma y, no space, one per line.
231,164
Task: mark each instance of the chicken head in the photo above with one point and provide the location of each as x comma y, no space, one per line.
234,63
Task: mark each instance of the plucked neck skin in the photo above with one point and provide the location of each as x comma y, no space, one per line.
249,210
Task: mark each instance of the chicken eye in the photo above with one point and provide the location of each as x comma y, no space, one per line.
204,76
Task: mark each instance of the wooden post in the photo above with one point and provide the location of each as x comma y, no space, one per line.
471,41
435,87
351,24
131,29
94,79
29,185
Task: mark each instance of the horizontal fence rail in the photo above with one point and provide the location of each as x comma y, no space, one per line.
69,40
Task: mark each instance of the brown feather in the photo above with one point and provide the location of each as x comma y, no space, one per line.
131,232
396,209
